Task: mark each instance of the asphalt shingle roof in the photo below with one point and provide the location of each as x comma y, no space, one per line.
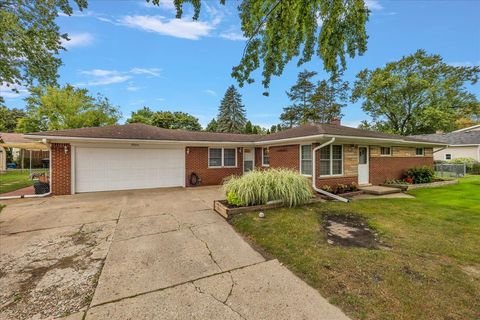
453,138
138,131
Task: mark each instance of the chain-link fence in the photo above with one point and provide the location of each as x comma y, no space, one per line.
453,170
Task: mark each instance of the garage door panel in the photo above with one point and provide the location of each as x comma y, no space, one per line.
102,169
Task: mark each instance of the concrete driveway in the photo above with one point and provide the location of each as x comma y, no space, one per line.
157,254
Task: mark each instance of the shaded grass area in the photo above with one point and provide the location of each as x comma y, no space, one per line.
14,180
432,270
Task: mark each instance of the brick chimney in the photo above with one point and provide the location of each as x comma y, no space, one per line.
335,121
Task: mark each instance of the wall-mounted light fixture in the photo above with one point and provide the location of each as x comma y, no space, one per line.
240,149
65,148
188,150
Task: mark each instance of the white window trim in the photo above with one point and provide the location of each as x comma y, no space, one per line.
223,159
386,155
300,154
420,155
263,162
331,162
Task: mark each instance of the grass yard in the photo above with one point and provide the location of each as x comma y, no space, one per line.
431,271
13,180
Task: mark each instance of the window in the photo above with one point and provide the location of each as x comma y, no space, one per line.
222,157
419,151
229,157
448,156
265,157
306,159
331,160
385,151
215,157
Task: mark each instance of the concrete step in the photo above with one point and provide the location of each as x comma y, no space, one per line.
379,190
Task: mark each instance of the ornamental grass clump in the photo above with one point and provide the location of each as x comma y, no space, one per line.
261,186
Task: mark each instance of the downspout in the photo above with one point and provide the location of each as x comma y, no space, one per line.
314,183
49,179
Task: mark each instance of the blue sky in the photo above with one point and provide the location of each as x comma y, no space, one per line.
139,55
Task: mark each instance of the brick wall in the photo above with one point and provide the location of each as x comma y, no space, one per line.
383,168
196,160
61,168
402,152
350,168
285,157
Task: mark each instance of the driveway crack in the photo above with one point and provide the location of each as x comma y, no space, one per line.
206,246
198,289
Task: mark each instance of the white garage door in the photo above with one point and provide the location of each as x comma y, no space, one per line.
103,169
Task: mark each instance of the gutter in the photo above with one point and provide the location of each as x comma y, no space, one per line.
49,179
314,184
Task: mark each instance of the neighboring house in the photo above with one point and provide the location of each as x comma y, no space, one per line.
463,143
22,150
136,156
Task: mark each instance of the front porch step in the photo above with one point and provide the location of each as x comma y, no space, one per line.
379,190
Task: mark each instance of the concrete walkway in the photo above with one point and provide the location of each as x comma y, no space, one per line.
169,256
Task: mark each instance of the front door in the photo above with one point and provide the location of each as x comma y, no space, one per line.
363,174
248,154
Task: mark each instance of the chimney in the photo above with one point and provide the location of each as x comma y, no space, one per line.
335,121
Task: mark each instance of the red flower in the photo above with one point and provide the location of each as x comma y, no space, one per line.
408,180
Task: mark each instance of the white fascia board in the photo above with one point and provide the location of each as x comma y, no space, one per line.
303,139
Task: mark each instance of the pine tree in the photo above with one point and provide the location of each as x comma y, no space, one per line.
300,94
273,129
248,127
231,117
212,126
328,100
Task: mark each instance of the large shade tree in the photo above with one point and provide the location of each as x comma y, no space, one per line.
276,30
231,116
51,108
417,94
9,118
165,119
31,40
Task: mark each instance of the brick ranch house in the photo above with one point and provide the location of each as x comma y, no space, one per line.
137,156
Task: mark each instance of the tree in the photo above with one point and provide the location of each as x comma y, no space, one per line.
175,120
143,115
53,108
9,118
312,102
31,40
273,129
212,126
327,101
248,127
231,117
418,94
300,94
277,31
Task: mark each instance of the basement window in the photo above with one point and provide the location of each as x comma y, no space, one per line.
385,151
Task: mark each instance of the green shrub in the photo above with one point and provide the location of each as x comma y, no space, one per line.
420,174
261,186
234,200
469,162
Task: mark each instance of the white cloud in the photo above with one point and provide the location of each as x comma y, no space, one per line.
7,91
179,28
351,123
133,88
163,4
78,40
103,77
154,72
464,63
210,92
160,99
373,5
234,36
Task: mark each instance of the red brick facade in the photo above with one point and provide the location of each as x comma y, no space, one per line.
383,168
61,168
285,157
196,160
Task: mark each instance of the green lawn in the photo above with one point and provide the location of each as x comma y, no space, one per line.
431,272
13,180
